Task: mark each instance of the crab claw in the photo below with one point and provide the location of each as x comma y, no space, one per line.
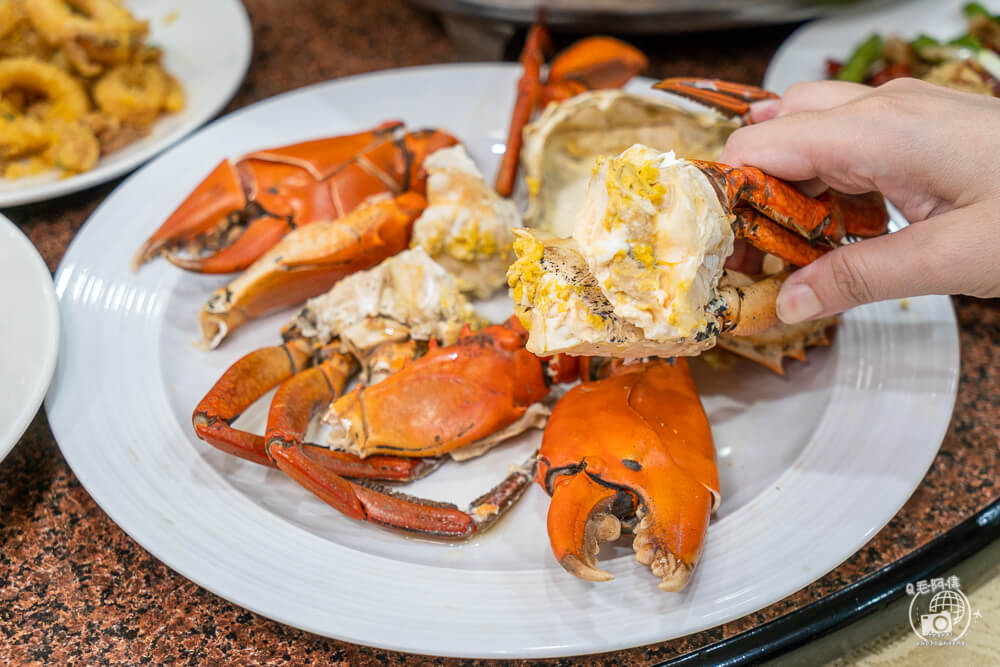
244,208
582,514
590,64
310,260
208,210
631,450
730,98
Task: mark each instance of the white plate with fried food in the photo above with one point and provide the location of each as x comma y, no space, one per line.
90,89
803,56
811,464
29,334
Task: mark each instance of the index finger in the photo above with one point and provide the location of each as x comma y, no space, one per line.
810,96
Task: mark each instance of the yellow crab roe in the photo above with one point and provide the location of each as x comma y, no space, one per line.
532,290
525,273
533,185
470,243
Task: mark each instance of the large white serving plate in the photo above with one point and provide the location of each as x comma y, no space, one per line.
802,57
29,333
812,464
207,46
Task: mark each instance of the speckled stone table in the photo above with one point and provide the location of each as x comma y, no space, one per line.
74,587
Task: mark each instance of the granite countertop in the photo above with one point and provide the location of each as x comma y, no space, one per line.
74,586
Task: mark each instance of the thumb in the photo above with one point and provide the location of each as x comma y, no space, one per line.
947,254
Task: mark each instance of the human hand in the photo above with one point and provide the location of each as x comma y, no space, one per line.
931,151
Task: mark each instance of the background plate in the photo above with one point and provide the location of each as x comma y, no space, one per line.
802,57
29,333
206,45
812,465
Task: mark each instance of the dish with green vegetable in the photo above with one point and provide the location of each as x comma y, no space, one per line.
968,62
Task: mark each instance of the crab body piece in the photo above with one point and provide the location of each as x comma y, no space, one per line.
244,208
633,450
471,395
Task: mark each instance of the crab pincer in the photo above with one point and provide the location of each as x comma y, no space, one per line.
633,450
244,207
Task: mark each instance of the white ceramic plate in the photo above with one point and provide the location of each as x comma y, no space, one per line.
812,465
29,333
206,45
802,57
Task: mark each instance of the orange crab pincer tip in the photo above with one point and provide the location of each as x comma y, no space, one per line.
199,214
726,96
578,521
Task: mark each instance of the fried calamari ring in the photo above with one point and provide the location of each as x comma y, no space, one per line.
11,14
63,95
105,31
72,146
136,94
21,135
67,144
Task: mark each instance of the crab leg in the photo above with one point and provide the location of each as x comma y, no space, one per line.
744,311
853,215
529,95
310,260
728,97
244,382
371,502
775,198
766,235
863,215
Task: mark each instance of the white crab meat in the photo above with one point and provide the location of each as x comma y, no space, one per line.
641,274
466,227
408,296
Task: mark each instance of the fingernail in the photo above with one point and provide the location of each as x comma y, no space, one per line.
797,303
764,110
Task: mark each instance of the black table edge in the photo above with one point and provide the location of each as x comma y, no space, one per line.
850,604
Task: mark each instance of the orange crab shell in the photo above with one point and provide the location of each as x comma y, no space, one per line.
451,397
